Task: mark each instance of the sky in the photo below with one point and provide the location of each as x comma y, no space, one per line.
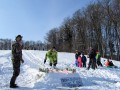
34,18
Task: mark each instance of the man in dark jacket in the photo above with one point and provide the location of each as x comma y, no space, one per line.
92,60
16,60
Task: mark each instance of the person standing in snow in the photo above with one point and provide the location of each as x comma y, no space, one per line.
98,59
92,60
79,61
16,60
52,56
76,57
84,59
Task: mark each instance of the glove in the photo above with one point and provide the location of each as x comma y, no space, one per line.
44,61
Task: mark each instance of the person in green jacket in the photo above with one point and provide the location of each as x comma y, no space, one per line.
52,56
98,56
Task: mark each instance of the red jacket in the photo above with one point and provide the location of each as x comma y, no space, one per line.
79,61
107,63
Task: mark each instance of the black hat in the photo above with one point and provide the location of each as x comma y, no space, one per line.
18,36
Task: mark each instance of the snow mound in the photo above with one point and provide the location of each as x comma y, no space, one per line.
118,84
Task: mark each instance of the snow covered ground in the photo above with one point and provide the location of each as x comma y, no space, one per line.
30,78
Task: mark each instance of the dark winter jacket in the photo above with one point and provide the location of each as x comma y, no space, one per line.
92,54
84,59
76,55
111,63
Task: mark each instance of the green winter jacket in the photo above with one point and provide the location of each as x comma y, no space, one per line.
52,56
98,56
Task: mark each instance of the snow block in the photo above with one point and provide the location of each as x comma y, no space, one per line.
71,82
63,80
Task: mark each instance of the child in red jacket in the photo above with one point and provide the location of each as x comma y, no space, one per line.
107,63
79,61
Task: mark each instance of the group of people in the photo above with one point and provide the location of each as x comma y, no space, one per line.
80,60
94,59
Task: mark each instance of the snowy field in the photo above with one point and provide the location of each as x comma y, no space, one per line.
30,78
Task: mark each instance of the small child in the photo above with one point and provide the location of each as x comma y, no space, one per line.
80,61
84,60
107,63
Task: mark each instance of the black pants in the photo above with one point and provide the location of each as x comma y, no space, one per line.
92,63
51,64
84,64
99,63
16,72
89,64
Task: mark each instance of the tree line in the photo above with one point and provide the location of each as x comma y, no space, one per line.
97,26
6,44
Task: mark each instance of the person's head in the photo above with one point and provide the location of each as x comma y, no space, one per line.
79,53
18,38
91,48
97,52
83,54
53,49
76,51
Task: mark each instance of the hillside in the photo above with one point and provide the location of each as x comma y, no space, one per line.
30,78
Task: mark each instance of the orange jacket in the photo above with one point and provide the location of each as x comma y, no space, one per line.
107,63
